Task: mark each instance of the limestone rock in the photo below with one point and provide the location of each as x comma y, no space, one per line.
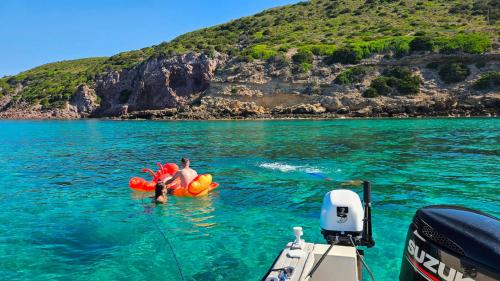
229,107
300,109
84,101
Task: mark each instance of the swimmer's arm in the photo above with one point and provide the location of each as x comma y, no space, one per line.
161,199
176,176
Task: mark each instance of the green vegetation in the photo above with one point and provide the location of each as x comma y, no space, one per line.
394,82
319,49
454,72
304,67
303,56
262,52
343,31
490,9
370,93
52,84
473,43
488,80
423,43
356,51
353,53
352,75
468,43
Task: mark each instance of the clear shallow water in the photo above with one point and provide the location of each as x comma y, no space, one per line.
68,214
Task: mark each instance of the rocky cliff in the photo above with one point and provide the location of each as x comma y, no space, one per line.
196,86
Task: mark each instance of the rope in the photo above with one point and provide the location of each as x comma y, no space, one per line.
321,259
167,241
362,259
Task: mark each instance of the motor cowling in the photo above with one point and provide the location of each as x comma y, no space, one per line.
342,215
451,243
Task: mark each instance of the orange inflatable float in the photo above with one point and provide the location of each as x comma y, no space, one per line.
165,172
200,186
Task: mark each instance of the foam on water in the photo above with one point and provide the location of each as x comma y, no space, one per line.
283,167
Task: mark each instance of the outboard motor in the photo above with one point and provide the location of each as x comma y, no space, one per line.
346,224
450,243
344,220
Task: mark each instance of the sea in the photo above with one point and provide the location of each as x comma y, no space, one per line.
69,214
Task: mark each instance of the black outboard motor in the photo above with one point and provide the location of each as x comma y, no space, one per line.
450,243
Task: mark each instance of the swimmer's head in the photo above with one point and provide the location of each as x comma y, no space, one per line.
184,162
159,189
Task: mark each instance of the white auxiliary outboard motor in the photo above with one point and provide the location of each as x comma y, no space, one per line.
342,214
343,219
346,224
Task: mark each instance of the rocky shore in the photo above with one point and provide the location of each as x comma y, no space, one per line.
198,86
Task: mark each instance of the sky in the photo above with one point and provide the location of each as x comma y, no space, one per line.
35,32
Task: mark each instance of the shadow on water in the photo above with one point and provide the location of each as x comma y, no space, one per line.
222,267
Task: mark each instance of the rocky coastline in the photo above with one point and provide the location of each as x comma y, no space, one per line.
201,87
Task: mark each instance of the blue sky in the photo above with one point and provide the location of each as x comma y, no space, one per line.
34,32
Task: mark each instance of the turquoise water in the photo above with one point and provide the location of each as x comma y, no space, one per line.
68,213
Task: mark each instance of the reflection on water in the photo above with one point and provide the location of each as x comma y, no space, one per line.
198,212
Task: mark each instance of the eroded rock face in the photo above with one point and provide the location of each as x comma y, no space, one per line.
218,106
83,102
156,84
300,109
195,86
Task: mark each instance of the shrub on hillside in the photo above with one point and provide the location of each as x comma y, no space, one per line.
279,61
490,9
422,43
319,49
454,72
303,67
356,51
261,52
5,87
245,58
460,8
383,85
488,80
352,75
393,82
303,56
473,43
346,55
370,93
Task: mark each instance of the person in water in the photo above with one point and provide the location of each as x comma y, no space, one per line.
160,193
186,174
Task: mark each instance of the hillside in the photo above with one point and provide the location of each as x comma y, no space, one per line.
302,38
